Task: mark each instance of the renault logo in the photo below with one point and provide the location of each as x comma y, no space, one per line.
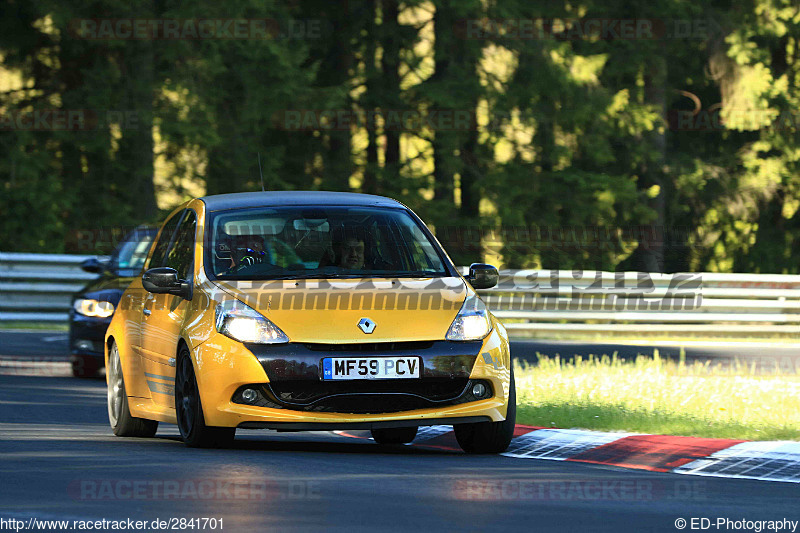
367,325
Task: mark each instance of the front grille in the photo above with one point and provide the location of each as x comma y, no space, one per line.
294,371
303,361
378,347
363,397
307,392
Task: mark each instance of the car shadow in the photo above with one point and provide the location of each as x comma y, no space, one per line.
315,443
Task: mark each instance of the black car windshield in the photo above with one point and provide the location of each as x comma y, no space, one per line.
129,256
319,242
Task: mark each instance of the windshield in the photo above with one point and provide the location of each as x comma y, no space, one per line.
327,242
128,258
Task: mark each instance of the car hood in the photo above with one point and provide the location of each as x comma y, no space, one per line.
108,288
329,311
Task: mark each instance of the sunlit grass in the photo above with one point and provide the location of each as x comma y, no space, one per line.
653,395
48,326
656,336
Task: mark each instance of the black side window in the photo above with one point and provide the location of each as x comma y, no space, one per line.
181,253
160,248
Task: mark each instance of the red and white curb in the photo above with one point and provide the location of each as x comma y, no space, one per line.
770,461
35,366
766,461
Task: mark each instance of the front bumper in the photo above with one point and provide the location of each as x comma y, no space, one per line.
295,377
225,366
86,336
311,426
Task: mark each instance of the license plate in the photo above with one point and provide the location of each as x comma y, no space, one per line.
370,368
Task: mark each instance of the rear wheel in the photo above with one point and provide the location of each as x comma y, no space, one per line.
490,437
189,409
119,415
394,435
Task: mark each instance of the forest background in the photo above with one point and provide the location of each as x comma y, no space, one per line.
613,135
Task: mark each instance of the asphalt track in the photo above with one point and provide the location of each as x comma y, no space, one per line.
42,343
60,461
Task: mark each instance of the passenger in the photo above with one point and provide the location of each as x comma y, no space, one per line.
353,249
351,253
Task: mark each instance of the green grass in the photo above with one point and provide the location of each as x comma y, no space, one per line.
48,326
655,337
652,395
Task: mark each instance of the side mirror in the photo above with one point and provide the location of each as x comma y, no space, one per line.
93,266
482,276
164,280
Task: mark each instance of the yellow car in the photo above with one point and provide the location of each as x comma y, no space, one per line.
301,311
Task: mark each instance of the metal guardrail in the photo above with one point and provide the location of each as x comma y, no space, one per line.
39,287
635,305
540,303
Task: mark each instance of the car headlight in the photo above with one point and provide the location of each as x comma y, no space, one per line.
93,308
244,324
472,323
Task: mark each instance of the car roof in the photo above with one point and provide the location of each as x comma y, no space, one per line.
221,202
146,228
142,230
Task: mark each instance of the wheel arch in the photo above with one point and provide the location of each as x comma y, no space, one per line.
130,364
109,341
183,343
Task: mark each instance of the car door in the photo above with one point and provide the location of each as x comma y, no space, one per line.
163,315
138,297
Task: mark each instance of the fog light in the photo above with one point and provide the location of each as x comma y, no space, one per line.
249,395
478,390
84,345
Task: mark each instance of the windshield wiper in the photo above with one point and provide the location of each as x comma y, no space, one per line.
318,275
418,274
363,275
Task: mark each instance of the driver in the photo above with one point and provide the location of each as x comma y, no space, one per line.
246,250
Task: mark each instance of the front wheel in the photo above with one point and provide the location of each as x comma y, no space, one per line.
119,414
189,410
394,435
490,437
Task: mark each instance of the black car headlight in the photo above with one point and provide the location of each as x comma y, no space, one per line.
93,308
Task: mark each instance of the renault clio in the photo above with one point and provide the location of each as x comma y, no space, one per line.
302,311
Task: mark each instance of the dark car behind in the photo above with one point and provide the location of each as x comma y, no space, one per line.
94,305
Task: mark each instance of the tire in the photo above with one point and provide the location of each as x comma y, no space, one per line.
119,415
189,409
490,437
394,435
